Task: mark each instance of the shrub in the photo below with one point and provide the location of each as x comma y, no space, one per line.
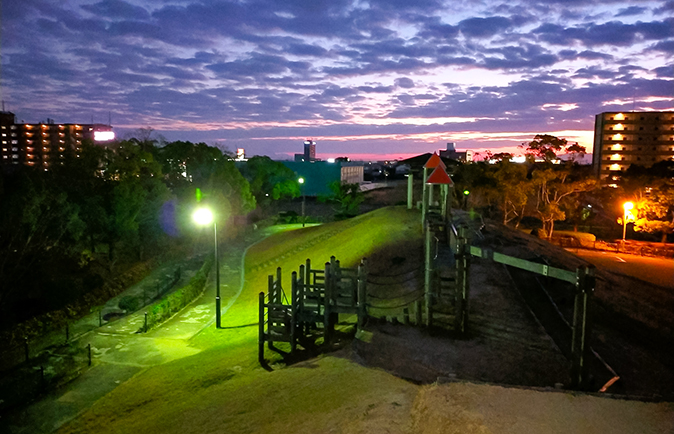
129,303
177,300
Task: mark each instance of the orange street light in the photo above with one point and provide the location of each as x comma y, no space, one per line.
627,206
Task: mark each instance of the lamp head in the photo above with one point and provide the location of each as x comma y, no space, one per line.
628,205
203,216
300,180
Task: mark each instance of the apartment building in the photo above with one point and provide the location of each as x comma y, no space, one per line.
625,138
44,144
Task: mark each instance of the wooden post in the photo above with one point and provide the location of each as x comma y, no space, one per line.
430,196
300,289
278,298
466,287
417,313
261,337
307,270
424,206
459,294
406,316
428,296
145,322
410,190
362,293
327,325
443,201
89,353
581,328
293,312
450,201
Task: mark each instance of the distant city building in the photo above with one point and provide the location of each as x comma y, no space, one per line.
451,152
309,152
44,144
240,154
319,174
625,138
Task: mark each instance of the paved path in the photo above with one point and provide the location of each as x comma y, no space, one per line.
119,352
659,271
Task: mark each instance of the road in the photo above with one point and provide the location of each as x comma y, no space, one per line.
653,270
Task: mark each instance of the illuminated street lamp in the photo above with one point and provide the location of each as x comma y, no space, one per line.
301,181
204,217
627,206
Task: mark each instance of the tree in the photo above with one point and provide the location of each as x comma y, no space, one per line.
270,180
348,198
513,190
655,211
546,147
554,187
38,223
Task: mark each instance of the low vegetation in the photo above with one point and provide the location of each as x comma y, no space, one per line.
223,388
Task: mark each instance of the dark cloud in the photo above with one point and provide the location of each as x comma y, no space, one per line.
117,9
668,7
665,71
612,33
404,82
629,11
484,27
666,46
226,61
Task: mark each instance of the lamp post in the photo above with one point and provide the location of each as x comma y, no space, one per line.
626,207
203,217
301,181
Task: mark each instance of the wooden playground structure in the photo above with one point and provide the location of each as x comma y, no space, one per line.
318,296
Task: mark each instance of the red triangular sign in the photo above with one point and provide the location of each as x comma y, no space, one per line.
439,176
434,162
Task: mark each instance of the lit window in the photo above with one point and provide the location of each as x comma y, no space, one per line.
614,167
619,117
615,157
618,127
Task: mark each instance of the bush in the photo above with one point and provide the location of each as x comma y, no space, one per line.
180,298
129,303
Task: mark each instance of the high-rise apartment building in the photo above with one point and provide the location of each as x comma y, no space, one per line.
309,154
44,144
625,138
309,150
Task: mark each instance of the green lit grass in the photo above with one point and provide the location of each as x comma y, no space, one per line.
222,388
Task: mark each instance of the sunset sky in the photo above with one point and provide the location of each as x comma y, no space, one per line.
369,79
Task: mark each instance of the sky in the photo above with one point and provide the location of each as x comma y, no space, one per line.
372,80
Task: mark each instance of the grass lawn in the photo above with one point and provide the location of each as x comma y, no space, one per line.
222,388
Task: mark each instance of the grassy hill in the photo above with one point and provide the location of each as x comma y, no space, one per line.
222,389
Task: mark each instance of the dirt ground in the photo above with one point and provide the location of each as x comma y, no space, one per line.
508,345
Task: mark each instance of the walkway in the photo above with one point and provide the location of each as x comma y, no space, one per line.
119,352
